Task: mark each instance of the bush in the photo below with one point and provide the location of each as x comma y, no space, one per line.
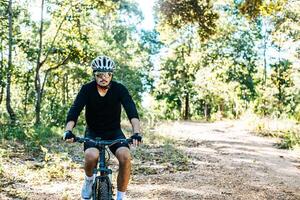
12,132
31,136
286,129
297,113
290,140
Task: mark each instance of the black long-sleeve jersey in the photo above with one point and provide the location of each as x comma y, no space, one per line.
102,113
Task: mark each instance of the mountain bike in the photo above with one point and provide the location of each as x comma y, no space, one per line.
102,187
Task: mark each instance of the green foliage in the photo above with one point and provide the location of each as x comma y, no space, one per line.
150,41
10,132
277,97
281,78
132,80
290,140
254,8
31,136
74,34
284,129
203,60
265,103
40,142
297,113
178,14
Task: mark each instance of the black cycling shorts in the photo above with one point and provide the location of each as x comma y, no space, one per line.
107,135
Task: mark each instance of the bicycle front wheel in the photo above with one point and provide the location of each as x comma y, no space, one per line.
102,188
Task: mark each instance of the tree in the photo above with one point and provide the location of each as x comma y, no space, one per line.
3,24
186,21
264,13
179,13
71,41
281,78
50,54
9,65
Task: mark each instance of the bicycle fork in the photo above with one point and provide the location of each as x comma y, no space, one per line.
105,172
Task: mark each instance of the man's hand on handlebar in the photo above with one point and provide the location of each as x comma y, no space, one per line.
136,139
69,136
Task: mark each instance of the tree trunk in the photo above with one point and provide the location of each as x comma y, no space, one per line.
1,94
1,73
38,98
236,106
27,87
9,66
37,80
39,86
265,51
64,88
206,111
53,98
265,61
67,88
187,107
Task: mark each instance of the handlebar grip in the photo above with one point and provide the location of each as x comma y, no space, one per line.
78,139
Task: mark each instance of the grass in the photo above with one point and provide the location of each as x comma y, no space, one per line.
159,154
155,160
36,155
37,151
290,140
286,130
56,160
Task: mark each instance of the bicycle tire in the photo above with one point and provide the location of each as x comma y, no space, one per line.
102,188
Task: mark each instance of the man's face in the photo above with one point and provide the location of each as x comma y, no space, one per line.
103,78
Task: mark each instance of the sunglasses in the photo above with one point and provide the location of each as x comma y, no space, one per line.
103,74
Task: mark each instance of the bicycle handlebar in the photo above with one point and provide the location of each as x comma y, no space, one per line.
102,142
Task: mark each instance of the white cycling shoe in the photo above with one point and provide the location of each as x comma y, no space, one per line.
86,192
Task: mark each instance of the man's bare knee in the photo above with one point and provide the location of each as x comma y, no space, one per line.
123,155
91,155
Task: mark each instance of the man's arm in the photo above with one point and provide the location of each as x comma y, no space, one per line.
132,115
69,126
76,108
135,123
73,114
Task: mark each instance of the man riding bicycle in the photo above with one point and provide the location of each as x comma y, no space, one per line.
102,99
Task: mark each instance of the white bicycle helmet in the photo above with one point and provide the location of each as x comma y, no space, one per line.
103,64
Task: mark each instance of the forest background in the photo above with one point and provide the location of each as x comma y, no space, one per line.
202,61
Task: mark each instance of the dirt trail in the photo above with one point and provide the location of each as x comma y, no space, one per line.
228,162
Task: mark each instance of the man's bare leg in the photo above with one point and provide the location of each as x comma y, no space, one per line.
124,158
91,156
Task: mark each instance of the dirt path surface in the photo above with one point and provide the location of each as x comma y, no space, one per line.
230,163
226,161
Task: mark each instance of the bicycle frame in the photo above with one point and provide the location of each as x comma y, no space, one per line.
102,164
105,172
